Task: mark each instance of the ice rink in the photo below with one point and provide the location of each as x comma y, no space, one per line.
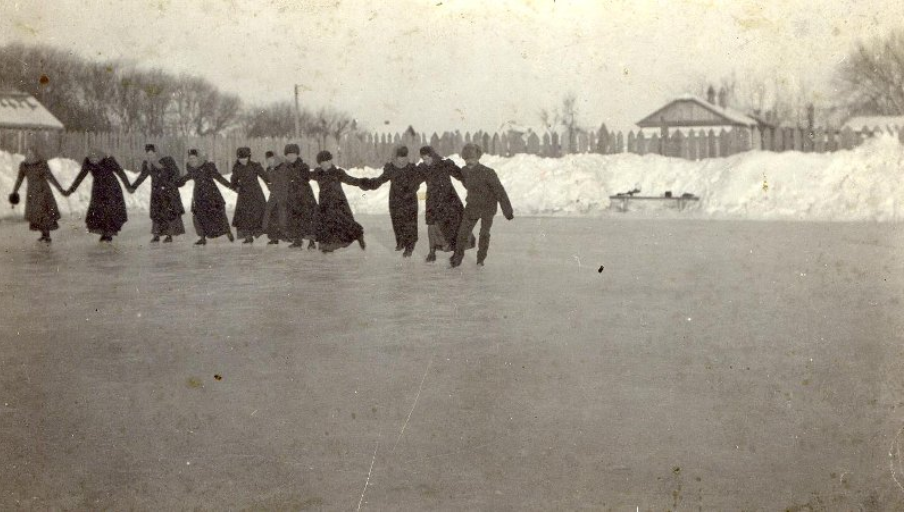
610,363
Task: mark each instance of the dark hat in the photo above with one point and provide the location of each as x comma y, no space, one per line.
323,156
169,163
192,152
243,153
268,154
291,148
149,147
14,198
401,151
471,151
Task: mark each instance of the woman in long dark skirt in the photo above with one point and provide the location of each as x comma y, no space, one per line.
405,179
207,206
248,218
166,202
444,207
336,225
41,209
107,209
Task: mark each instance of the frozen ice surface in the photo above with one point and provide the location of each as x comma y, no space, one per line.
712,365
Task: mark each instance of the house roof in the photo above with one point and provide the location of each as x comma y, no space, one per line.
717,115
21,110
874,122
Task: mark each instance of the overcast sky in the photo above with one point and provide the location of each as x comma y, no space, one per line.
459,63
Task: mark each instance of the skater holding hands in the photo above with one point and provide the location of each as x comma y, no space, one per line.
485,192
107,209
166,202
207,206
405,179
41,209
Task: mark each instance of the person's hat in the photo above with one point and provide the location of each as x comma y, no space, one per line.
243,153
324,156
291,148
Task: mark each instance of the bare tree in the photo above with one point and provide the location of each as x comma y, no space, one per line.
273,120
565,116
127,100
776,99
871,79
200,109
328,122
97,89
156,92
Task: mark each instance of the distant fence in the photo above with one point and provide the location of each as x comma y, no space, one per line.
374,150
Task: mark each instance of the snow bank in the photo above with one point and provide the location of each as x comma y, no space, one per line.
862,184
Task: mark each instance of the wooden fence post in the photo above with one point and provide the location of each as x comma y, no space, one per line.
847,138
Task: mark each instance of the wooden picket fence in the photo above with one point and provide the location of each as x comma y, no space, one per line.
374,150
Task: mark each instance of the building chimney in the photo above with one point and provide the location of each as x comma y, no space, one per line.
711,95
723,98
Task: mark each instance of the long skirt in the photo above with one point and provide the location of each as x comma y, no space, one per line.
211,222
276,223
443,242
171,228
250,209
41,210
107,210
337,228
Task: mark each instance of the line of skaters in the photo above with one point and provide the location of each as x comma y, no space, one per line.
291,213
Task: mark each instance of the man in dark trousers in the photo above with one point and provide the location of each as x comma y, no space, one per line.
485,191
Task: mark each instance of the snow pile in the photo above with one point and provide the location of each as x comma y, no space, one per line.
866,183
861,184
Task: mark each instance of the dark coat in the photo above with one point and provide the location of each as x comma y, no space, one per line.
336,225
251,203
443,204
207,205
107,210
485,191
291,211
166,202
404,183
41,209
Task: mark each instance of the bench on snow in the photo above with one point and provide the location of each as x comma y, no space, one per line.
624,198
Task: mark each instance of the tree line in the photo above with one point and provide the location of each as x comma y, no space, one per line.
117,95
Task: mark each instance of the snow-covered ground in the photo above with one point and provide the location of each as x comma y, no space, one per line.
861,184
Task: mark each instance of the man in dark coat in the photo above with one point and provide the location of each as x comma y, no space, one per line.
248,218
291,213
405,179
485,192
166,202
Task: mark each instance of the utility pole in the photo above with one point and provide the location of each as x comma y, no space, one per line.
297,116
